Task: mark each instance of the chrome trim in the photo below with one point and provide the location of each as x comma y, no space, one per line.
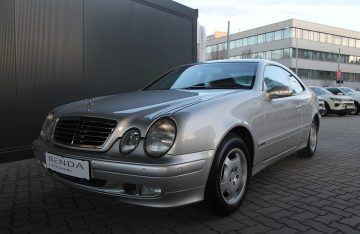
100,148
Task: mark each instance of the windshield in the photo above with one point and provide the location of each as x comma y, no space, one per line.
321,91
348,91
208,76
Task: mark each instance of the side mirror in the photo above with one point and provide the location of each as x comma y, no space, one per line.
279,92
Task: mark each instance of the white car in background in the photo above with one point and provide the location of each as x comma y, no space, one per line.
348,92
334,104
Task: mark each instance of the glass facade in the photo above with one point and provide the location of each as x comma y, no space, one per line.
287,33
253,40
326,75
302,54
287,53
325,56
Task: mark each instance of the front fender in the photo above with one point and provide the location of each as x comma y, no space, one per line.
202,127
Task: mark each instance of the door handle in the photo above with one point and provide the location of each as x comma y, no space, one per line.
298,106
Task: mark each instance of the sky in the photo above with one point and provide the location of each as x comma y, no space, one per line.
247,14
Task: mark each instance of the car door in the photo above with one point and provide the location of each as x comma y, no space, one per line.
283,116
304,99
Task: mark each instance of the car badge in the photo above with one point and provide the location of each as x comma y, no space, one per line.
89,104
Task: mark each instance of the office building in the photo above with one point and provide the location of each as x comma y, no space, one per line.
315,51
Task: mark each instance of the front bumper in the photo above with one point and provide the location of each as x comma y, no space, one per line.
342,107
182,179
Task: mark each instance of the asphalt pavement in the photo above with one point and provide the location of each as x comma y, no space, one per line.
295,195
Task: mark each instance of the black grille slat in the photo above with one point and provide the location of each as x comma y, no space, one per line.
87,122
82,134
86,132
66,125
90,131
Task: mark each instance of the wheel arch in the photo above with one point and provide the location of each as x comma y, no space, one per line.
245,134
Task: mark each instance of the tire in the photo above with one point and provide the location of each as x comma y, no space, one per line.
327,109
311,146
229,176
357,109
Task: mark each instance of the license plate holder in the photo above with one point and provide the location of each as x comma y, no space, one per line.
68,166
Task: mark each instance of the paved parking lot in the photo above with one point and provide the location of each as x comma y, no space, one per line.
295,195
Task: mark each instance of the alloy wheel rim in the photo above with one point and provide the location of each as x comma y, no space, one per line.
313,137
233,176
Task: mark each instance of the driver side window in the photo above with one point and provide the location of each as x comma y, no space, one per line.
275,76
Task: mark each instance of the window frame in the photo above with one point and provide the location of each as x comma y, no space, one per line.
265,88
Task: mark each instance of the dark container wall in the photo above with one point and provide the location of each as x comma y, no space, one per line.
54,52
8,92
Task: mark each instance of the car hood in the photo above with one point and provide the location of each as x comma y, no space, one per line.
341,97
149,103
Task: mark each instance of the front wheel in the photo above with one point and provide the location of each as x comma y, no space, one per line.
229,176
311,146
357,109
327,110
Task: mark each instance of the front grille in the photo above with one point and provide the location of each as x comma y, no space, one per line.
86,132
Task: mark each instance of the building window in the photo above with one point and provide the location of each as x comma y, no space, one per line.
268,54
287,32
261,38
245,41
316,36
330,39
276,54
232,44
305,35
286,53
323,37
270,36
337,40
252,40
278,35
239,43
351,42
261,55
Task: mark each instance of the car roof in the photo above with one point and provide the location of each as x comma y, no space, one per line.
263,61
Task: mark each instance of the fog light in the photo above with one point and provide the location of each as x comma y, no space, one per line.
150,191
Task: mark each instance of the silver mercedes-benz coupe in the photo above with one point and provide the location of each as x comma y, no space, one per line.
199,132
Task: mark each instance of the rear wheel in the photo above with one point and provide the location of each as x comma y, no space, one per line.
229,176
311,146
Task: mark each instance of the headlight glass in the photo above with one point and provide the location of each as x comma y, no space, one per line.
130,141
45,130
336,99
160,137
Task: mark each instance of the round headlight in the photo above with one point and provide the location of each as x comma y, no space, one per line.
44,133
130,141
160,137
